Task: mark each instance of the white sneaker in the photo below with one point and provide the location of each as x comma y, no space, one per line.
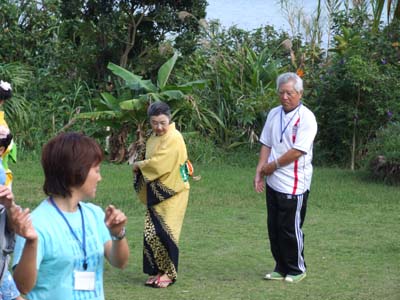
274,276
295,278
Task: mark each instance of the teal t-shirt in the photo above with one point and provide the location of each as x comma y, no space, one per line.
60,254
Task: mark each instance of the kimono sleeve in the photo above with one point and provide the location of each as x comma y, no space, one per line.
164,160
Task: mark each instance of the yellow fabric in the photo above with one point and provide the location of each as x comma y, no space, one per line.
173,212
170,215
9,178
11,152
2,119
166,201
164,156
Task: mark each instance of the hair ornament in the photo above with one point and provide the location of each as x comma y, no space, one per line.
5,85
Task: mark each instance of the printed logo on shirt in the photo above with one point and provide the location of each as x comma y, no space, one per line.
295,128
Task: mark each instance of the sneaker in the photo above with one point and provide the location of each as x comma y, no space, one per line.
295,278
274,276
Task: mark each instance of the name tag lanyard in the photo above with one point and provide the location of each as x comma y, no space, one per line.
83,244
287,124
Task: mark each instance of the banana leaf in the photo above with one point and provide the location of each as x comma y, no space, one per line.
131,79
106,114
165,71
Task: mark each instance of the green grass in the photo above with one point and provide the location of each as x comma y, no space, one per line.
352,236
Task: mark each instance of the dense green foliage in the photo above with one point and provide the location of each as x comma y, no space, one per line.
241,68
77,39
357,90
383,160
127,110
16,110
68,44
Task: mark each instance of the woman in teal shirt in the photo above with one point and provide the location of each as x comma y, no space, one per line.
66,261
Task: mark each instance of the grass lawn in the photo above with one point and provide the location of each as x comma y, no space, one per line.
352,237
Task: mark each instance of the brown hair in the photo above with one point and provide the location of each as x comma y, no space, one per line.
66,161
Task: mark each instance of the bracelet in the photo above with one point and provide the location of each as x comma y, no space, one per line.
277,165
120,236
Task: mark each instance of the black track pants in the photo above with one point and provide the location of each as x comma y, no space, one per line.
286,215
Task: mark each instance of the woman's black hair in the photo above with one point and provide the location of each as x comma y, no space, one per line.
5,142
5,94
159,108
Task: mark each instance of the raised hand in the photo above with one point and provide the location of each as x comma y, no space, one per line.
6,196
21,222
115,220
135,167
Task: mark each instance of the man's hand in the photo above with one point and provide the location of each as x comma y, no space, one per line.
115,220
268,168
259,182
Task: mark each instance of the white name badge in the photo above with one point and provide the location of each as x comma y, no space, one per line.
84,281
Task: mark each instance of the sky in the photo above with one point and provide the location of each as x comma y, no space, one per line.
251,14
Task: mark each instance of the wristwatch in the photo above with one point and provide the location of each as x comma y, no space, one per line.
120,236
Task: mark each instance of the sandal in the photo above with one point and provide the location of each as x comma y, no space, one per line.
150,281
162,283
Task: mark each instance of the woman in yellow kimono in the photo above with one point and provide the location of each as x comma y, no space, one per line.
161,181
11,151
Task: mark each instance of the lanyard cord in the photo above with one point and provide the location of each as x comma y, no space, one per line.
83,244
287,124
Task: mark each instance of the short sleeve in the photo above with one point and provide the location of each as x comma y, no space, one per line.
266,134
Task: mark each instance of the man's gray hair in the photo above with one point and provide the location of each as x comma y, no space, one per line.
290,76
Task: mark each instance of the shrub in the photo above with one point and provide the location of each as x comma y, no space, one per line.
356,91
383,159
201,149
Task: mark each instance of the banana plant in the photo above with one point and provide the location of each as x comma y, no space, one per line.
129,111
146,92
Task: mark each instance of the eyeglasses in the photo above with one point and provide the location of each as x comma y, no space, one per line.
157,124
288,93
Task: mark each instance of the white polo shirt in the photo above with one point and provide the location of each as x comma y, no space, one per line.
282,132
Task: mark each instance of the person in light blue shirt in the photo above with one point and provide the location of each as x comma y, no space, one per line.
65,261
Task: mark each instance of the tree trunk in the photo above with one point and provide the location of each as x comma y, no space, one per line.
137,149
355,120
118,145
353,147
132,29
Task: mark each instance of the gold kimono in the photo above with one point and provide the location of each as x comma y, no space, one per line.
162,185
10,153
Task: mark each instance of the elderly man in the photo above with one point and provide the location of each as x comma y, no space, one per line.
285,159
